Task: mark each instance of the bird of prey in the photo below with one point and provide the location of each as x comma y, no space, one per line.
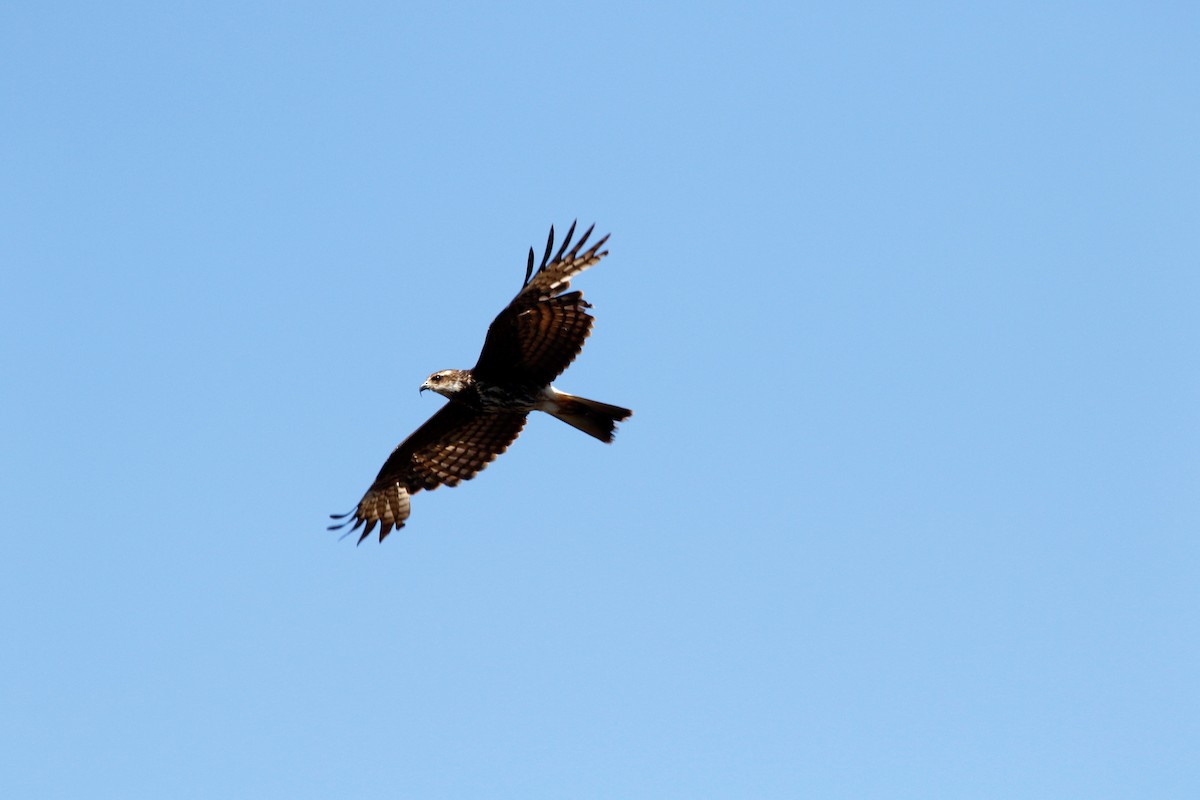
527,346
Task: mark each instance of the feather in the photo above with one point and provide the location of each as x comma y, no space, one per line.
549,249
566,242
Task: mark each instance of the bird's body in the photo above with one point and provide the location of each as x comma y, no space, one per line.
460,386
530,343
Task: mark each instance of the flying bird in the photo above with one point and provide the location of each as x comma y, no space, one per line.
529,344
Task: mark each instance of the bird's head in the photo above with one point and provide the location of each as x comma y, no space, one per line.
448,382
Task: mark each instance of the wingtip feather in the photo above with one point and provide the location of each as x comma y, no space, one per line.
549,249
583,240
566,241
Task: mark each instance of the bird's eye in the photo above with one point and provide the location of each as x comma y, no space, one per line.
437,378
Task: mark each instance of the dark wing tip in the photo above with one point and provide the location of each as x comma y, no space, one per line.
352,517
565,250
566,241
549,249
592,251
353,521
582,241
371,523
344,520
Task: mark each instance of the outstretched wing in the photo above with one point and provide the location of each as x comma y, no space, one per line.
452,446
542,330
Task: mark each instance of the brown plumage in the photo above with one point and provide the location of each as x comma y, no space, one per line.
537,335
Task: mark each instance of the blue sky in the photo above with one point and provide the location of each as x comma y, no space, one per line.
904,299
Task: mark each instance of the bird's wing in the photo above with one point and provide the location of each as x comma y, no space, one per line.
452,446
541,331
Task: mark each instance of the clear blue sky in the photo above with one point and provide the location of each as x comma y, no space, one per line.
904,298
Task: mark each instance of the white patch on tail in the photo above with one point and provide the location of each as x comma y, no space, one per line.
590,416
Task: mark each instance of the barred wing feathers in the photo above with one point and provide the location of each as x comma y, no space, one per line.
543,329
452,446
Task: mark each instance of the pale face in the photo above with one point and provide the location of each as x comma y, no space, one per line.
445,383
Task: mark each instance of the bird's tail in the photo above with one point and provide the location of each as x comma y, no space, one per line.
590,416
